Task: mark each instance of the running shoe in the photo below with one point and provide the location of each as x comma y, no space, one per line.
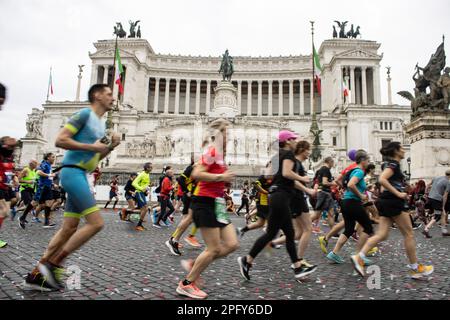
367,262
416,226
446,234
49,226
427,234
191,291
157,225
167,223
275,246
123,214
358,264
3,244
302,272
173,247
192,241
37,282
52,274
422,271
316,230
140,228
240,232
336,236
36,220
244,267
335,258
309,268
372,252
323,244
354,237
22,224
13,214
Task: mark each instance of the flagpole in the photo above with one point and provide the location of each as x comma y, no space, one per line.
114,73
49,81
313,70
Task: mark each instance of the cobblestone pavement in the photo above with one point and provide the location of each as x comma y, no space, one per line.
122,264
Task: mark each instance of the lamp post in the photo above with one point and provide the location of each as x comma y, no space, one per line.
409,167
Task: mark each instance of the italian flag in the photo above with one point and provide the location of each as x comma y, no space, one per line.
317,71
119,71
346,89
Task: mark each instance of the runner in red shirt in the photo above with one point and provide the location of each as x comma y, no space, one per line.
209,210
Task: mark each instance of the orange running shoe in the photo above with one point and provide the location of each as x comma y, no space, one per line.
140,228
191,291
192,241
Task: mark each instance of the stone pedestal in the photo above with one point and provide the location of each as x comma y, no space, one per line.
225,101
429,137
32,148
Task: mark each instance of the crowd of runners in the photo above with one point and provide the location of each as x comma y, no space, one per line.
285,205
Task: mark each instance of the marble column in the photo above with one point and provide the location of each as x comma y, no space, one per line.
376,85
147,97
270,98
167,97
208,96
302,97
156,100
177,97
280,98
94,75
239,97
343,136
352,84
249,98
291,98
105,74
197,97
260,98
188,97
311,92
364,85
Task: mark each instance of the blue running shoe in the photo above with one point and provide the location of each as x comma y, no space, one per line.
167,223
367,262
335,258
155,215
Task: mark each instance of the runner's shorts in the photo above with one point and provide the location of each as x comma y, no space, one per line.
141,200
262,212
27,195
186,204
112,194
204,213
437,206
129,197
43,194
298,205
80,200
324,201
5,195
390,207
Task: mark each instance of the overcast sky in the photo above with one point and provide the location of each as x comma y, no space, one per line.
37,34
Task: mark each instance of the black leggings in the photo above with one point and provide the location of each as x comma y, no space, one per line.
279,218
164,214
353,211
244,204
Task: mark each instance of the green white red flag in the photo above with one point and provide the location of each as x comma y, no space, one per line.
317,71
119,71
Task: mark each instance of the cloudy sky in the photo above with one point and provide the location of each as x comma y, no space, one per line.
37,34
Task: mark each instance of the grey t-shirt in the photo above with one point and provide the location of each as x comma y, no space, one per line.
440,186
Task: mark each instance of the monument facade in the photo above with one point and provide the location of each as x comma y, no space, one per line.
169,99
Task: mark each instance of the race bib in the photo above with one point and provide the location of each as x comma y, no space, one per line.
221,211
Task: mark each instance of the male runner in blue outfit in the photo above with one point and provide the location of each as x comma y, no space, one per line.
82,137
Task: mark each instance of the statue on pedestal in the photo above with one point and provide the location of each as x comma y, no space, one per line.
118,31
133,26
437,100
227,67
34,124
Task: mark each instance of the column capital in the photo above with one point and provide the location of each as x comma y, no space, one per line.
208,81
363,68
352,68
302,81
156,79
178,80
291,81
260,82
270,81
188,80
239,81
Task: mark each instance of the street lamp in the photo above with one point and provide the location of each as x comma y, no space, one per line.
409,167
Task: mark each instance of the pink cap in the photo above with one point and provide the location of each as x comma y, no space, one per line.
285,135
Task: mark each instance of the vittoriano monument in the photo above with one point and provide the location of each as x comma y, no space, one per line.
432,85
121,33
429,130
352,34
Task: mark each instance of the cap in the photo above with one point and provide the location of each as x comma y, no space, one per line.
286,135
352,155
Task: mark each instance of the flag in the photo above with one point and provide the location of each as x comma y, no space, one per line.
317,71
119,71
346,89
